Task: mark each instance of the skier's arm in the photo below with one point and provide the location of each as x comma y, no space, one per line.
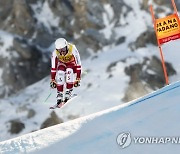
78,63
53,65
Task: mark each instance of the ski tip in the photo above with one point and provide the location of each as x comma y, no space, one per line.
58,106
62,104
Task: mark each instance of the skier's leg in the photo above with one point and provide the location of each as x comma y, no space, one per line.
69,83
60,79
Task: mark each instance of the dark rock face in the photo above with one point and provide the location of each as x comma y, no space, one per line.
16,126
17,18
4,13
26,63
145,76
121,40
52,120
162,2
146,37
25,69
145,5
22,18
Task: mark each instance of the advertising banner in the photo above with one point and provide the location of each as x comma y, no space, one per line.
167,28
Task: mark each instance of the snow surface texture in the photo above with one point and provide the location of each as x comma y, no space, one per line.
154,115
98,91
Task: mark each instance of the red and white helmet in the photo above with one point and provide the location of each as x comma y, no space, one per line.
60,43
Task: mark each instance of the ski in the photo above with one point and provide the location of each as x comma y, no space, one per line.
63,103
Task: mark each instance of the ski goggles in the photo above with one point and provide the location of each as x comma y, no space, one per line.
62,50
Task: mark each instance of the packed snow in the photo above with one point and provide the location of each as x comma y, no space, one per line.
152,116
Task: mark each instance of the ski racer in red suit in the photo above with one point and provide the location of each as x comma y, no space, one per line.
65,63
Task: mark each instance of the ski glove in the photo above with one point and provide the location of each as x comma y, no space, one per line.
77,83
53,84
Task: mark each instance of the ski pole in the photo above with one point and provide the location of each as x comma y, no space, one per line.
48,96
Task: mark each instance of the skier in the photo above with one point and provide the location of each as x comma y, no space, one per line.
65,63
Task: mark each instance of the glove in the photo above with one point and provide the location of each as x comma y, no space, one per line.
77,83
53,84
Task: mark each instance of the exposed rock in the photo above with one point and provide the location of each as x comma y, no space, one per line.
20,20
145,77
31,113
26,68
16,126
163,2
52,120
121,40
89,85
22,108
158,10
92,35
148,36
2,62
22,48
5,10
145,4
135,90
93,17
32,1
85,44
120,9
110,67
71,117
156,66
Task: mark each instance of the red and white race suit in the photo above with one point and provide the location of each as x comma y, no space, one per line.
63,67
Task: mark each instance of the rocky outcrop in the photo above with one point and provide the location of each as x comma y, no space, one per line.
52,120
147,37
25,68
17,18
30,112
26,63
145,4
145,77
16,126
161,6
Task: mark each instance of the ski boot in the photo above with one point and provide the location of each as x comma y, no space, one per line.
60,102
59,99
68,95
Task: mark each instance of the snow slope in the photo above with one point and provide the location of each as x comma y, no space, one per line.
99,89
154,115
